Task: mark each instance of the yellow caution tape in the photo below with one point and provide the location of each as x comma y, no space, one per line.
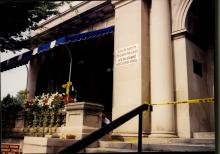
204,100
131,140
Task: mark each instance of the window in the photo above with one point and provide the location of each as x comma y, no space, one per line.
197,68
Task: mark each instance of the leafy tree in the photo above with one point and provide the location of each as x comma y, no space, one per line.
21,97
16,102
10,104
17,17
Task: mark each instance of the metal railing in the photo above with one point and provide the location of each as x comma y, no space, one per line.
81,144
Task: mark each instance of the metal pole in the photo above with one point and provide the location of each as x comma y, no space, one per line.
27,81
140,133
70,70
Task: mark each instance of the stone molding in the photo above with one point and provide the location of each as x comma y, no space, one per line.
84,105
121,3
180,20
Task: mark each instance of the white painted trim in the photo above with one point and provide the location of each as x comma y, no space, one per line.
52,44
35,51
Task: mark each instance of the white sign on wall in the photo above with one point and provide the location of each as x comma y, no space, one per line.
127,55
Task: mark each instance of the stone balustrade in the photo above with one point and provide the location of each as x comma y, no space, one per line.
38,123
79,120
43,123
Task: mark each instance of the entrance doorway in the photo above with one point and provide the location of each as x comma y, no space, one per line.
92,71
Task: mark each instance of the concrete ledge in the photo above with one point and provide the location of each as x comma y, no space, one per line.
45,145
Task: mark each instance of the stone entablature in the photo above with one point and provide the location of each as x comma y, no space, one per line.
71,13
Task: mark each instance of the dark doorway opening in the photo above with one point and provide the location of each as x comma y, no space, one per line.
92,71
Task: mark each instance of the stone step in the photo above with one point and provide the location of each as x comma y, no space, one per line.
112,150
171,147
204,135
178,140
169,140
177,147
115,144
108,150
154,148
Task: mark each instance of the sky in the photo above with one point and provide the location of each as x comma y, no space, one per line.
14,80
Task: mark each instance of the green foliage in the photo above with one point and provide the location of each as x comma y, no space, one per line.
57,104
14,104
10,104
20,16
7,102
21,97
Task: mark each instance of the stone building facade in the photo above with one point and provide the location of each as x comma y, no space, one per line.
160,51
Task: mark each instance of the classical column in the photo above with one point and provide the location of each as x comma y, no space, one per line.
34,67
131,63
162,117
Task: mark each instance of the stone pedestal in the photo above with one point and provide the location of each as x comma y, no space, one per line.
82,118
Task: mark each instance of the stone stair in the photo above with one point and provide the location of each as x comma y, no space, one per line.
156,145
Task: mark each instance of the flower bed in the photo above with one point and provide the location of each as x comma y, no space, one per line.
44,114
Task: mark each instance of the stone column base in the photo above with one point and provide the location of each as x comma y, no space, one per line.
127,136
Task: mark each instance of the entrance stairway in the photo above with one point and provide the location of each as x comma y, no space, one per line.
156,145
204,142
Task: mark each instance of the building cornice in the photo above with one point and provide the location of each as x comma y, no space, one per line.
62,14
120,3
69,14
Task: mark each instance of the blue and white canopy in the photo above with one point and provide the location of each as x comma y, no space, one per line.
27,56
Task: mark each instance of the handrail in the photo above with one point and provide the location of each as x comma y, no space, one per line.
81,144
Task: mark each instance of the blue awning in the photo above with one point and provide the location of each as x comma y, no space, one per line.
16,61
27,56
